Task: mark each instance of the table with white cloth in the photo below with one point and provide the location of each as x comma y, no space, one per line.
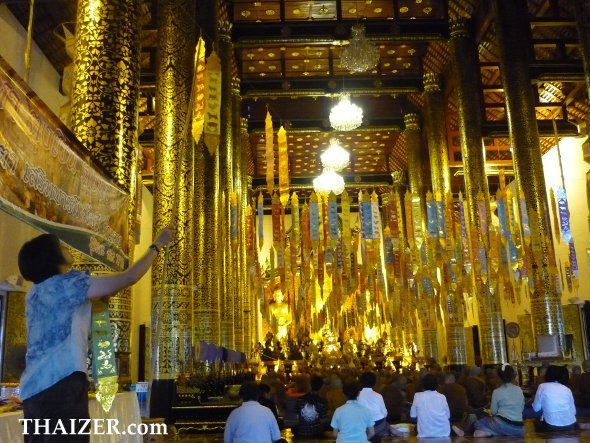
125,409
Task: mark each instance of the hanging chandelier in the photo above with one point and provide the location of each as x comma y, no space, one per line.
329,181
360,55
335,158
346,116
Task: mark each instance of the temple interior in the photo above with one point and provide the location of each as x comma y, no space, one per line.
392,186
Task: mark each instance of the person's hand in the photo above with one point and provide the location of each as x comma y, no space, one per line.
164,237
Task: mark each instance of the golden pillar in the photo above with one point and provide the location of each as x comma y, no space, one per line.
105,114
436,133
416,178
239,245
465,64
206,276
225,251
516,52
172,282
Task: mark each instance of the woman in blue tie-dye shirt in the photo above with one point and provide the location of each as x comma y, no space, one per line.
58,313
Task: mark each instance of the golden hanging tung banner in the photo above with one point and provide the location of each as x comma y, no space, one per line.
283,166
212,103
270,154
199,91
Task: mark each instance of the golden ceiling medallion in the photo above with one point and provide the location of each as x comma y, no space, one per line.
246,13
427,10
296,11
404,9
378,10
270,12
352,11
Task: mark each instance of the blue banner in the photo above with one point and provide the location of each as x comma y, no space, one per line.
564,214
314,222
432,229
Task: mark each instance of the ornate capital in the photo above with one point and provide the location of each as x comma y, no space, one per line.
224,24
459,27
399,178
412,122
432,82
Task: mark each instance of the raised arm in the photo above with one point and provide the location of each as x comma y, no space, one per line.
110,284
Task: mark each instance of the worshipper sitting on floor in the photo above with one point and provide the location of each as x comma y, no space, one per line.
456,396
394,397
251,422
312,411
476,392
431,410
333,394
266,400
506,408
555,401
373,401
54,385
352,423
582,393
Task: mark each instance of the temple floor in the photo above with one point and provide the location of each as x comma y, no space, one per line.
531,436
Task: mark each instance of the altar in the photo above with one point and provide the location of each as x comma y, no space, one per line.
125,409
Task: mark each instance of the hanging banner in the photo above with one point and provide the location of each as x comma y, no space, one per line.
333,217
524,218
233,216
305,231
417,219
276,220
283,166
573,259
376,216
260,212
249,234
564,214
199,91
501,206
46,183
212,103
270,154
295,224
431,216
314,219
553,203
440,216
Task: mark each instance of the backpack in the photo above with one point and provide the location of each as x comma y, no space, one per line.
309,413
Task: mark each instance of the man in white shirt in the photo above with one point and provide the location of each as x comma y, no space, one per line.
432,410
373,401
251,422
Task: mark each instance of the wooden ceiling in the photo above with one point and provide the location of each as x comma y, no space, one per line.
288,59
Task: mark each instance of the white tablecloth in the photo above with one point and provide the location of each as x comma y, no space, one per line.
125,409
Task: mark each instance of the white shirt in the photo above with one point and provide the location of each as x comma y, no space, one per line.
373,401
557,404
432,410
251,423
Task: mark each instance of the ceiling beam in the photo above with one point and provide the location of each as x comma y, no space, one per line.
499,129
407,30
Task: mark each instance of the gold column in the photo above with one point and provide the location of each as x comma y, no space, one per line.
582,8
105,114
436,132
206,277
416,177
465,64
225,252
516,52
238,254
173,198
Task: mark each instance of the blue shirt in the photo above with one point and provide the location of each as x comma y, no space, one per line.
58,322
251,423
352,421
508,402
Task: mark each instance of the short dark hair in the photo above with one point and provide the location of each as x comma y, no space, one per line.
507,374
249,391
40,258
368,379
553,373
316,383
351,389
429,382
264,388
